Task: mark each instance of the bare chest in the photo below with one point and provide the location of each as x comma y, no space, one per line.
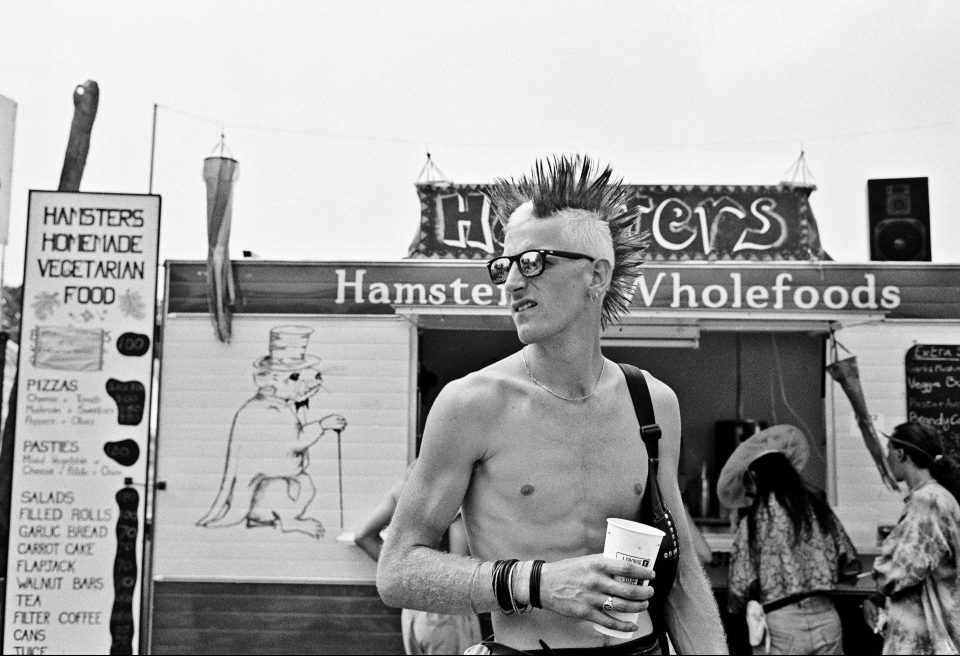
562,470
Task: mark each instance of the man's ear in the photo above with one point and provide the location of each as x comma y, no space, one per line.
600,276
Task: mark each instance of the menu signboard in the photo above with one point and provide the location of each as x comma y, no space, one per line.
84,387
933,387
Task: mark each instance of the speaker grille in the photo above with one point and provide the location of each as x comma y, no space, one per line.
901,239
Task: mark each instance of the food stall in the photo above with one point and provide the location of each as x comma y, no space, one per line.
738,310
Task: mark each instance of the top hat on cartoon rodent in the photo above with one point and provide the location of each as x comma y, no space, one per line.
288,349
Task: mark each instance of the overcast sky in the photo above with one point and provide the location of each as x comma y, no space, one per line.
330,107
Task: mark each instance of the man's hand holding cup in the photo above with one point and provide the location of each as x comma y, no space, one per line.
635,546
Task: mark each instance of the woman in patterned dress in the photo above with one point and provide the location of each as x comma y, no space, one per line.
789,551
917,567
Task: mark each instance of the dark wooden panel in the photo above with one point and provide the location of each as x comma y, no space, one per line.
253,618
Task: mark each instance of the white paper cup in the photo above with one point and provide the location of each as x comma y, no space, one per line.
634,542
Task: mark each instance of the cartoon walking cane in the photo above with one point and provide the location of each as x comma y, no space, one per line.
340,474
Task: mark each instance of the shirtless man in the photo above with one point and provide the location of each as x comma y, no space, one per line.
543,446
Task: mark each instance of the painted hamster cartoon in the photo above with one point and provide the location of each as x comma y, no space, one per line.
266,479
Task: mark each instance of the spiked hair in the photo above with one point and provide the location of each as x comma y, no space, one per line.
576,183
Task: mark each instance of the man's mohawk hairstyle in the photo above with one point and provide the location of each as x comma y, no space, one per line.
577,183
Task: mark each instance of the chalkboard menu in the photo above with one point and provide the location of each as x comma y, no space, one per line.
933,387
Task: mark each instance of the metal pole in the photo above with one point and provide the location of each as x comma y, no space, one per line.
147,590
3,266
153,145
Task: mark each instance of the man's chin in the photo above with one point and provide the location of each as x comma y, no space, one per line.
528,334
523,330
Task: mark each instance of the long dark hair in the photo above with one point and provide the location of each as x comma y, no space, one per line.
774,475
927,449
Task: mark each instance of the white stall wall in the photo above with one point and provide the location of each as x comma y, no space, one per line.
263,524
863,503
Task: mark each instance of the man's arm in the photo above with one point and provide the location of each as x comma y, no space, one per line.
700,545
693,619
411,572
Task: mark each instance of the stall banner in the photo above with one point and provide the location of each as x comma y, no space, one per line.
279,444
684,222
933,387
895,290
8,122
82,426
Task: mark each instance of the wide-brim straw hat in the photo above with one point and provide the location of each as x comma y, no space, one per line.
782,438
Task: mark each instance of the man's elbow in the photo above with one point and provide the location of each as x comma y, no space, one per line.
389,585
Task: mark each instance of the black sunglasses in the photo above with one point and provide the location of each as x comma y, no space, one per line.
530,263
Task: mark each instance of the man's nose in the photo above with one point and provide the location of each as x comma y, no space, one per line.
515,280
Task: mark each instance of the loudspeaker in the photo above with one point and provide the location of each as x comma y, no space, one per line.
899,210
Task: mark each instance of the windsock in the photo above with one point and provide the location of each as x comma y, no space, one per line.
847,374
219,173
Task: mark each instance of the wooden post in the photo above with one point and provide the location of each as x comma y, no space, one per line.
86,98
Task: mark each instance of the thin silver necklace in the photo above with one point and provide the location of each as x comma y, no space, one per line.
571,399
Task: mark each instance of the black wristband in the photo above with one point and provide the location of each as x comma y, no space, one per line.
506,594
501,584
535,583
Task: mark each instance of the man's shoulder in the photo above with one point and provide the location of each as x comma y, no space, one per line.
653,381
659,390
665,406
483,387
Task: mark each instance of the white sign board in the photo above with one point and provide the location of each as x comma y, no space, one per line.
278,445
83,420
8,122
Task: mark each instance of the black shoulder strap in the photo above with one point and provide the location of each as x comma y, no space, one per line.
643,406
652,510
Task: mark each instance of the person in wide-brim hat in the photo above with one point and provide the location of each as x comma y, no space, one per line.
782,438
789,550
